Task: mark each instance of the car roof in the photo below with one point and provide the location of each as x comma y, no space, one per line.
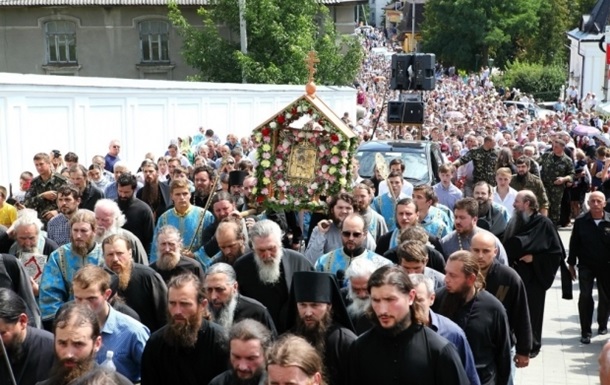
389,145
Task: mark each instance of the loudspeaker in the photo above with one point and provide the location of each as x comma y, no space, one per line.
400,71
405,112
423,72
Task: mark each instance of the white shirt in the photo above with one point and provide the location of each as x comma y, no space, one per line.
407,188
508,200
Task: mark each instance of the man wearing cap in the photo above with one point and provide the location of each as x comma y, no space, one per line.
323,321
557,171
236,183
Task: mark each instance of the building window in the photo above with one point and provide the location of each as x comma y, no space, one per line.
154,36
61,42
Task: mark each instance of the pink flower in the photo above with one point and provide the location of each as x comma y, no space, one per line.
266,155
267,173
278,162
267,139
334,160
265,191
344,154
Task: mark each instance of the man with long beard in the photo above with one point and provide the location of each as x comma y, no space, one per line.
56,280
321,318
29,350
77,341
248,343
363,196
121,334
535,251
189,350
480,314
399,349
492,216
225,303
109,221
203,176
140,286
170,262
356,295
154,193
139,219
266,273
525,180
326,236
231,241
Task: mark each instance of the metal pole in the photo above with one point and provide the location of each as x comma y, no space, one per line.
243,37
8,363
413,27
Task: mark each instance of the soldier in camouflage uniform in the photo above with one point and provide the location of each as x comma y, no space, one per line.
557,169
42,194
484,160
525,180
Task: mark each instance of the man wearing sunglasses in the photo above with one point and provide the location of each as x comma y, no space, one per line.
353,237
113,155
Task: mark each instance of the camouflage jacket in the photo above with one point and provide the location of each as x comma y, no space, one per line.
484,164
33,200
534,184
552,167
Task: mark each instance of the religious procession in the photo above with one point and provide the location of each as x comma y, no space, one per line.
322,248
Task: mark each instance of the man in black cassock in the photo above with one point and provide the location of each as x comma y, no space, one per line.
321,318
356,295
189,350
535,251
266,273
481,316
139,216
169,261
140,286
491,218
506,285
399,349
225,303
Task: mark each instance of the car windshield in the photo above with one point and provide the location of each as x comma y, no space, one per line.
416,170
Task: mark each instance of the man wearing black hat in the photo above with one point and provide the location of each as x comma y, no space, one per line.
236,183
323,321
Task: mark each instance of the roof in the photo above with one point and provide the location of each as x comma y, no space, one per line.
34,3
584,36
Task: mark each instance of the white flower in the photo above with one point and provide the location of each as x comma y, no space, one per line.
273,125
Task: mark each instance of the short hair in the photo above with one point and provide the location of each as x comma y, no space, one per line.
418,279
42,156
267,228
291,350
470,266
3,192
360,267
26,175
209,132
172,147
446,168
97,167
530,197
504,171
394,174
75,314
483,183
523,159
27,220
223,268
127,179
207,169
231,224
221,196
109,204
237,151
78,168
178,183
469,204
412,251
363,186
111,239
416,233
395,276
406,202
71,157
99,376
341,196
169,230
92,276
179,281
150,163
399,162
84,215
120,164
11,306
356,216
428,192
250,329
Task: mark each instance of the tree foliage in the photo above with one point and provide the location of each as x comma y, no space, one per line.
280,35
542,81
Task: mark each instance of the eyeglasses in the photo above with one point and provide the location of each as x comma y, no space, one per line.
116,146
348,234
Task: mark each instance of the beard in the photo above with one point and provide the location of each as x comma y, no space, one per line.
400,325
15,350
361,207
82,249
150,193
167,261
515,224
224,315
183,334
61,375
454,302
484,207
124,273
256,376
358,306
316,333
269,272
124,202
521,178
101,233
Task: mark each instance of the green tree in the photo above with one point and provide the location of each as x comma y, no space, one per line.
542,81
547,45
280,34
462,32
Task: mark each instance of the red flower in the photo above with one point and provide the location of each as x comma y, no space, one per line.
281,119
260,199
266,131
334,137
294,111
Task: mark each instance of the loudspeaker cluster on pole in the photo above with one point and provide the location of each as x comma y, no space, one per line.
411,72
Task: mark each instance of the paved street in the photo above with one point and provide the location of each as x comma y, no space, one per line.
563,359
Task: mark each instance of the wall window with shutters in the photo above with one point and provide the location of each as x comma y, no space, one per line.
154,37
61,42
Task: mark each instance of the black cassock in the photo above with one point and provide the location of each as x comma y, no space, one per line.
163,364
276,296
185,265
36,362
417,355
338,342
251,308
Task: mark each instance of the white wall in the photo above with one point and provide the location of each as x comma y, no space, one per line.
587,67
40,113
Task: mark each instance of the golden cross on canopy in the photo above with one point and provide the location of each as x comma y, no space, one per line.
311,60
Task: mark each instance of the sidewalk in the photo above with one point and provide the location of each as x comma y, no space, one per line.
563,359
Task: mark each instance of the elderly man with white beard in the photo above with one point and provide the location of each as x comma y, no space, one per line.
266,273
170,261
355,294
110,220
225,303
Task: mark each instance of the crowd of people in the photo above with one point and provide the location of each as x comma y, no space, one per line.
165,274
